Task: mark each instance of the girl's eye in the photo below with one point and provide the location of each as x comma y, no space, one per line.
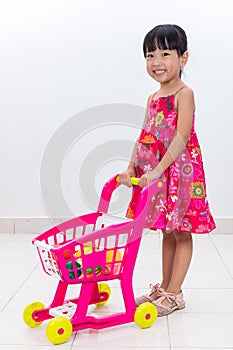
165,54
149,55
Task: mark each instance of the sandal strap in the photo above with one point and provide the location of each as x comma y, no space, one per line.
172,298
155,288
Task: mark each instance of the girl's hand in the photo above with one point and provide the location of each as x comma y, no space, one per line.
124,177
146,179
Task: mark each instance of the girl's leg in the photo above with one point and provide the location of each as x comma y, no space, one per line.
176,258
181,262
168,255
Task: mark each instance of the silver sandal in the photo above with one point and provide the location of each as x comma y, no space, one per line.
176,303
147,297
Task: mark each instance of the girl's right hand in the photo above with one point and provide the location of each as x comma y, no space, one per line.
124,177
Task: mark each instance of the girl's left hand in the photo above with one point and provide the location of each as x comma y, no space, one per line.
146,179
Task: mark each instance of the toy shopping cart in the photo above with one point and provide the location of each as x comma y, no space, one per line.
90,250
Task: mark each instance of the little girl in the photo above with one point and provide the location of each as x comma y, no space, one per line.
168,148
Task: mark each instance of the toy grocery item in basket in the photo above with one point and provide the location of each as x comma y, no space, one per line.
90,250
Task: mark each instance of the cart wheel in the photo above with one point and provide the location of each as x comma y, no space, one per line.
58,330
103,287
145,315
28,311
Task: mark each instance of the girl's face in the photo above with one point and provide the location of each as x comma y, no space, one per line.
164,65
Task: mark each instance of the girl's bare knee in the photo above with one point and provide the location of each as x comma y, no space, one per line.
182,236
168,235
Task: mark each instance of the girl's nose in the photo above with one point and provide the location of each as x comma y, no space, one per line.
156,62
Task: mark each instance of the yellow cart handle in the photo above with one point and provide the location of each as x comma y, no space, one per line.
133,180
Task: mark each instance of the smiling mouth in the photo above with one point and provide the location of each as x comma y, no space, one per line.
159,71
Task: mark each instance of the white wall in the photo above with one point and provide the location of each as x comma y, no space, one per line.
59,58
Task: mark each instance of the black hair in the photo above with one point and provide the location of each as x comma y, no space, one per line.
166,37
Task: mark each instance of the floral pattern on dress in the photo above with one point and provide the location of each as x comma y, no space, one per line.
183,206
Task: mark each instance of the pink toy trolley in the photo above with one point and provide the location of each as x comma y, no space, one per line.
90,250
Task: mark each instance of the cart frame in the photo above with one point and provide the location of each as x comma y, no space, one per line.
59,245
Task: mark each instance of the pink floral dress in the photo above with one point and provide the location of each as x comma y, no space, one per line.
183,206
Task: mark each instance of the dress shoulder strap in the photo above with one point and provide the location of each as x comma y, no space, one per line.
153,96
182,87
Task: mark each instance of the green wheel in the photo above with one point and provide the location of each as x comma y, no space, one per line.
58,330
145,315
103,287
28,311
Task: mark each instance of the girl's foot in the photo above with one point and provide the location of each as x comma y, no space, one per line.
155,292
168,302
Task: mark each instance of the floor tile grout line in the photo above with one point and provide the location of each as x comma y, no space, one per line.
11,236
168,332
73,342
20,286
228,271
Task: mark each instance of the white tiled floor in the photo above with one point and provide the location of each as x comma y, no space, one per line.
206,323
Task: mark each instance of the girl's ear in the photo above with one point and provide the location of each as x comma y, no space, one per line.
184,58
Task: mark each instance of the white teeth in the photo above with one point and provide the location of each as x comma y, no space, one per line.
159,71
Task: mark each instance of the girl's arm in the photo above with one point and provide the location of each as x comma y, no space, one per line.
186,107
130,171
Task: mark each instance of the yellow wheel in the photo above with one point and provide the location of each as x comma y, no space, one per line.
145,315
58,330
28,311
103,287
